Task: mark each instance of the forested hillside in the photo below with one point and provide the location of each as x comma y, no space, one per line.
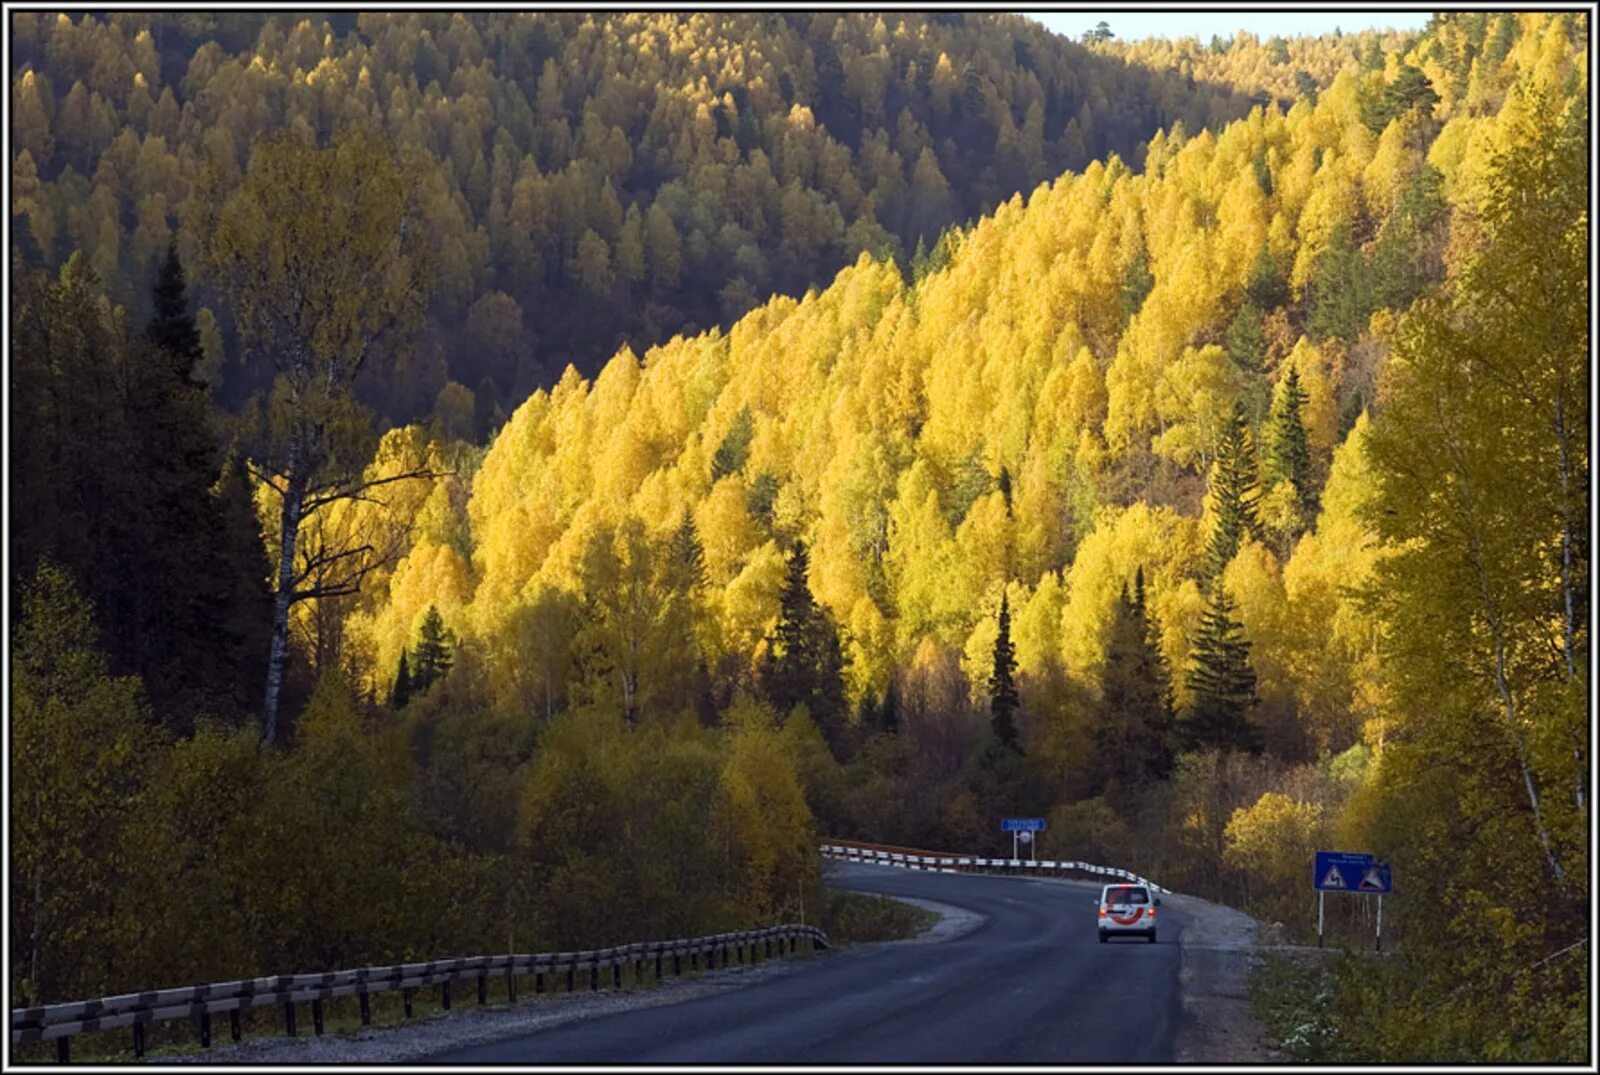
1219,509
588,179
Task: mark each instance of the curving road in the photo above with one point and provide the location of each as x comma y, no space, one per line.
1031,984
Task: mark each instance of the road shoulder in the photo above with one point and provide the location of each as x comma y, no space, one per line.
1218,954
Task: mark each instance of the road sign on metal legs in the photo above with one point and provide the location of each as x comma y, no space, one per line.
1350,871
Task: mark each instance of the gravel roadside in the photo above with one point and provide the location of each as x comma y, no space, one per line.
1219,950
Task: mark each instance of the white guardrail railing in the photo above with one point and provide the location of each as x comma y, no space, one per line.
952,863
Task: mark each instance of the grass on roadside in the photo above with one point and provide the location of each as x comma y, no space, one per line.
1294,997
857,918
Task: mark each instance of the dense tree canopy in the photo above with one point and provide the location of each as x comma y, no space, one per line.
1294,405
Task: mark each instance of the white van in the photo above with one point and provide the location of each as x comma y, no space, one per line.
1127,909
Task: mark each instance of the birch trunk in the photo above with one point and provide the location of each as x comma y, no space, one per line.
289,532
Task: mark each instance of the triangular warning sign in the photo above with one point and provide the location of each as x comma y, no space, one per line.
1372,881
1334,879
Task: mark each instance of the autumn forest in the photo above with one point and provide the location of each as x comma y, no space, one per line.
525,478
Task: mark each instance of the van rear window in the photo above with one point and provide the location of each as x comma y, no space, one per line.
1126,894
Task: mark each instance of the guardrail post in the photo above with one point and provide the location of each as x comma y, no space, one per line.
138,1040
511,984
658,965
288,1018
233,1025
366,1008
63,1050
483,989
205,1030
444,994
616,975
407,995
316,1016
594,977
677,964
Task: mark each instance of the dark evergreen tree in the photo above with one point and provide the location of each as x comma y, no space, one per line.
1288,451
1341,292
1005,489
735,447
1234,487
1134,720
1221,683
171,329
244,618
889,713
1136,284
402,685
1247,342
435,651
1003,701
804,664
686,559
115,477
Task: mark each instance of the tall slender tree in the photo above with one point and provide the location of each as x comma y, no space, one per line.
435,651
1234,489
1288,451
1003,700
804,663
1221,682
321,253
1134,726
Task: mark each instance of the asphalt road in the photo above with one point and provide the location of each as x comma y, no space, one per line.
1031,984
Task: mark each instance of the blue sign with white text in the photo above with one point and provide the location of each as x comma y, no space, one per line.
1350,871
1022,824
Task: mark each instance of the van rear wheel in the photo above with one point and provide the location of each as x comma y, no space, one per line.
1102,936
1151,936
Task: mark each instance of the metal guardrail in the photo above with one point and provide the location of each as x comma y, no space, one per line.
59,1022
952,863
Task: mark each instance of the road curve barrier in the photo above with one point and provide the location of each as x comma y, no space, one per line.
59,1022
948,862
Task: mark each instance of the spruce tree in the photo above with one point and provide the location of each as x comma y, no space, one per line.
686,559
402,685
171,329
889,714
1221,683
435,644
1288,451
804,664
1133,730
1003,702
1234,487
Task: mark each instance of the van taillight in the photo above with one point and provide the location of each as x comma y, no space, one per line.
1102,912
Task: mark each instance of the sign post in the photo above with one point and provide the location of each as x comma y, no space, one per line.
1025,826
1350,871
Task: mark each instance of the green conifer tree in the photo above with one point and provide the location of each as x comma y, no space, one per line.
435,651
1221,683
1133,730
402,685
1288,452
804,664
1234,486
1003,701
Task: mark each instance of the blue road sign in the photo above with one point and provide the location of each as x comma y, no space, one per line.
1022,824
1341,871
